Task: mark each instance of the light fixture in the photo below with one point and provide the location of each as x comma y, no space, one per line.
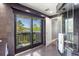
47,9
27,10
76,3
50,11
42,15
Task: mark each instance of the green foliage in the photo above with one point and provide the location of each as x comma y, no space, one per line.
20,27
34,37
24,39
36,28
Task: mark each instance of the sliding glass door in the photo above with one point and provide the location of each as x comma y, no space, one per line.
36,31
28,31
23,31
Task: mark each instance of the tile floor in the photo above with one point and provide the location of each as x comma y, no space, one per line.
41,50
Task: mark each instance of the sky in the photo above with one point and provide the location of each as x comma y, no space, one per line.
27,22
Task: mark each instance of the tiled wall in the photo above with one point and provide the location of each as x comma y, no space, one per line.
7,27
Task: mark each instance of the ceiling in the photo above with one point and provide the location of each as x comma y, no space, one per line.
46,8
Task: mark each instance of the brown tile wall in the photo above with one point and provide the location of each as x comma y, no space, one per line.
6,28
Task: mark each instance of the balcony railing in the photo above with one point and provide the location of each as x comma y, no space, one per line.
23,38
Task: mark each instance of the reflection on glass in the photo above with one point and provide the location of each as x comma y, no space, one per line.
23,28
69,42
36,31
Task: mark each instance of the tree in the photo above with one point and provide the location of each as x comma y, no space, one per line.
20,26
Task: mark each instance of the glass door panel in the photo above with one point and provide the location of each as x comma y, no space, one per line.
27,31
69,35
37,31
23,31
69,32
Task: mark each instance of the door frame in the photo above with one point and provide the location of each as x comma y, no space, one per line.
32,45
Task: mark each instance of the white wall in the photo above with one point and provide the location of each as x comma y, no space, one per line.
48,31
58,24
56,28
53,27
